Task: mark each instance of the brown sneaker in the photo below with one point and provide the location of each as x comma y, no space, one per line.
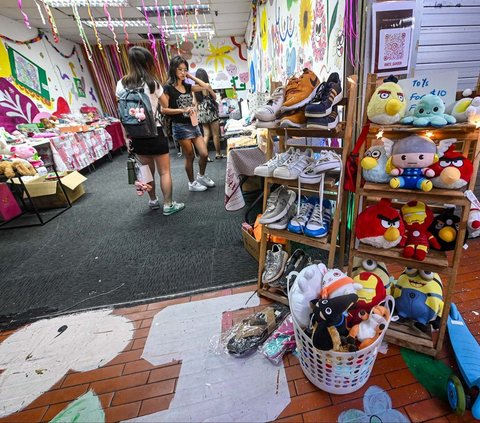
294,119
300,91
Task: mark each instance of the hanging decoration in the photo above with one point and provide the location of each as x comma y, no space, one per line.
30,41
186,16
174,24
79,61
25,16
159,24
350,30
40,12
83,36
94,25
51,21
66,56
110,24
254,25
124,26
151,37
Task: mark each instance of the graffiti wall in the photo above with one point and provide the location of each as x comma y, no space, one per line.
285,36
224,59
38,76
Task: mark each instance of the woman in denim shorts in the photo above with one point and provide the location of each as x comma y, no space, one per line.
179,103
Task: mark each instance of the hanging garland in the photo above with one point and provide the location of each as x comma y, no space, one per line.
94,25
31,41
110,24
51,21
159,24
40,12
83,36
151,37
254,25
66,56
127,42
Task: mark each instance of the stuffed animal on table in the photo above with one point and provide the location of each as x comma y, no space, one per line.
452,170
429,111
336,284
380,225
467,109
376,283
419,297
387,104
369,329
374,164
328,321
417,240
445,228
410,161
11,167
26,152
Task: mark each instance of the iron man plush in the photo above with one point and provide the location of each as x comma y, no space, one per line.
416,241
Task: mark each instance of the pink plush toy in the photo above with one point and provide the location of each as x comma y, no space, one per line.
139,113
142,188
27,152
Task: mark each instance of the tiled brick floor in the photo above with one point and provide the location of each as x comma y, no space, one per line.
129,386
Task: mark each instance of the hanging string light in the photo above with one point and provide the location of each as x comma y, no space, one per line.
83,36
94,25
151,37
124,26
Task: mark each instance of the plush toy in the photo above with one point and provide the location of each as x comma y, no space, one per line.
419,297
329,317
453,170
27,152
467,109
142,188
11,167
409,162
445,229
387,105
336,283
139,113
473,223
416,241
380,225
430,111
369,329
374,165
49,123
307,287
376,283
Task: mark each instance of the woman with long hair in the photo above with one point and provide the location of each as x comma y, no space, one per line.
179,103
153,152
208,113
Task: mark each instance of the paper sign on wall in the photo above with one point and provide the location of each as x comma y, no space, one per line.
444,85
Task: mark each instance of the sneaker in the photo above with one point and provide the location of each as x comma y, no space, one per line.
172,208
196,186
328,161
268,125
275,211
295,119
298,223
327,122
295,263
294,165
283,222
154,204
279,159
327,96
300,91
271,110
274,264
205,181
319,223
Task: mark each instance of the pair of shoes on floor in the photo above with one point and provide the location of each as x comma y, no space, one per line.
275,262
220,156
201,183
322,112
313,219
295,263
278,205
174,207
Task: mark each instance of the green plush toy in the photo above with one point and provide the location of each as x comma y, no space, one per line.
429,112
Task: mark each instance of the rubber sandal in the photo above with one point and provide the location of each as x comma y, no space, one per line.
255,329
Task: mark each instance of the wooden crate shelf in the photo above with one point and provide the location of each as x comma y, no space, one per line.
322,243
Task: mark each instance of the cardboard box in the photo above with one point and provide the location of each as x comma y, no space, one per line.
48,194
251,244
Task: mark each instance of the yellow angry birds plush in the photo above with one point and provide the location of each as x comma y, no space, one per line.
388,104
419,297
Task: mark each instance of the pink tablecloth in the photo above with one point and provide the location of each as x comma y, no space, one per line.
118,136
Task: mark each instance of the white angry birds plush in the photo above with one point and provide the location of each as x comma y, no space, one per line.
388,104
374,165
467,109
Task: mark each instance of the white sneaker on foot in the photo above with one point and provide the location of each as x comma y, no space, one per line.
154,204
196,186
205,181
172,208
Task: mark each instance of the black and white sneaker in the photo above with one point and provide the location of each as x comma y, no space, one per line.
328,95
327,122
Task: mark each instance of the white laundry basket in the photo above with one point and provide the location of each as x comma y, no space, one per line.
337,372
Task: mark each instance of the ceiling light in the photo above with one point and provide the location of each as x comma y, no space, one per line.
194,29
103,22
202,9
84,3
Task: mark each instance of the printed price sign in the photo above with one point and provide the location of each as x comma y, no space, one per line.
443,85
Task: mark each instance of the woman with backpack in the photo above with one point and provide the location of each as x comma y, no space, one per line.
179,103
208,114
153,151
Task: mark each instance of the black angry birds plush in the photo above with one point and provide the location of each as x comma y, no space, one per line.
445,229
330,314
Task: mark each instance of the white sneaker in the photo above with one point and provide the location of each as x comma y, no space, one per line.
271,110
328,161
154,204
196,186
294,165
279,159
205,181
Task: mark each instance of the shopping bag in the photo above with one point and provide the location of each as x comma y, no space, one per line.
351,166
9,207
143,172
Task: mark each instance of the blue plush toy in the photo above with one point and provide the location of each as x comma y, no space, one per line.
429,112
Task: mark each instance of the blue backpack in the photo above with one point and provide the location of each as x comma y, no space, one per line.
137,98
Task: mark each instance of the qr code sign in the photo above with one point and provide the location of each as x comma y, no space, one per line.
394,46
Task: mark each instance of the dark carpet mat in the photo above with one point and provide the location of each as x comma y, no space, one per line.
110,248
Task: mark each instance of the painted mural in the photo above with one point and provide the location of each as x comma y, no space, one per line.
224,59
39,77
285,36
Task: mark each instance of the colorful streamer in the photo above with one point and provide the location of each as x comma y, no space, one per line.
25,16
110,24
66,56
159,24
186,16
51,21
30,41
254,25
151,37
94,25
173,17
83,36
350,31
40,12
124,26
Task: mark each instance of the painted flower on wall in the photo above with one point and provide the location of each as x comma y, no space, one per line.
305,21
232,70
319,34
264,29
218,55
244,77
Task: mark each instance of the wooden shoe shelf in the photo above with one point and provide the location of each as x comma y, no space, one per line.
335,240
447,265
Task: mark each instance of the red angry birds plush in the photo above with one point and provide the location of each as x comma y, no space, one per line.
380,225
417,240
452,171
